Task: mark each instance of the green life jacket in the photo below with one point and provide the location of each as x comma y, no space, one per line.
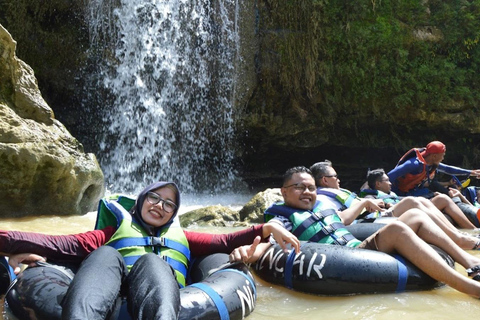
132,241
391,198
344,196
322,226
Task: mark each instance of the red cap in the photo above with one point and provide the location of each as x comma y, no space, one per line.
434,147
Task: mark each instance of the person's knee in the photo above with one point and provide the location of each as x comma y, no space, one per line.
424,201
151,261
411,202
105,257
415,213
155,269
107,252
413,218
394,229
148,259
409,198
441,201
442,197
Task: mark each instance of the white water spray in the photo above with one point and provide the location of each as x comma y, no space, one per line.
168,70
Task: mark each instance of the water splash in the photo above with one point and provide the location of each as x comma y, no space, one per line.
167,75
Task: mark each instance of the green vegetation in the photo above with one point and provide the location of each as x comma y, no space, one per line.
372,74
351,63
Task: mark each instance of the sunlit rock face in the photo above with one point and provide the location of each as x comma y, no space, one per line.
43,168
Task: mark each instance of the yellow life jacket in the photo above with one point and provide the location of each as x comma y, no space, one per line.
132,241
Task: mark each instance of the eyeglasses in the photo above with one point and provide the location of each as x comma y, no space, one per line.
167,205
332,176
301,187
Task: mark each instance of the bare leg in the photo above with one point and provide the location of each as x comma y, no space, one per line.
432,234
464,241
397,237
445,203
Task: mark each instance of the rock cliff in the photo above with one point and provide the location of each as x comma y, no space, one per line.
43,169
358,83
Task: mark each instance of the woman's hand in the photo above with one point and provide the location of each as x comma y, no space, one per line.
245,253
29,259
281,235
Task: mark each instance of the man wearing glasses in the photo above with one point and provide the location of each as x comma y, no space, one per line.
348,205
408,236
380,188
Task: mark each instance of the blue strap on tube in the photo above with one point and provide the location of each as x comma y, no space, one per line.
217,300
289,270
402,274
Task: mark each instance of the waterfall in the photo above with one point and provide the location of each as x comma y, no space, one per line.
165,72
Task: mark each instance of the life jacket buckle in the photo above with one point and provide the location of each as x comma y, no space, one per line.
317,215
157,241
329,229
342,241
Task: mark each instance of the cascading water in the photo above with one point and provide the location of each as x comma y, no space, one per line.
168,72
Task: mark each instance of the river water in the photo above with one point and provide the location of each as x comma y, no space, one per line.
275,302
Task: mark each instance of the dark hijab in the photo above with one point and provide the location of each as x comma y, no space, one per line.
136,211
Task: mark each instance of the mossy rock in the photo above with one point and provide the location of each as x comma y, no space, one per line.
217,216
253,211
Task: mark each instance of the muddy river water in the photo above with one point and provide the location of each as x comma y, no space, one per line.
276,302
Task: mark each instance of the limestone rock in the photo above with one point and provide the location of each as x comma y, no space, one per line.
43,169
221,216
253,210
19,85
218,216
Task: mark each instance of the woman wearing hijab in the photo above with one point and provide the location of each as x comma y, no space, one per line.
142,254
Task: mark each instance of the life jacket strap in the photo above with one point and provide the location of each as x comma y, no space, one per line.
315,217
172,244
330,231
327,230
336,194
177,265
151,242
350,199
